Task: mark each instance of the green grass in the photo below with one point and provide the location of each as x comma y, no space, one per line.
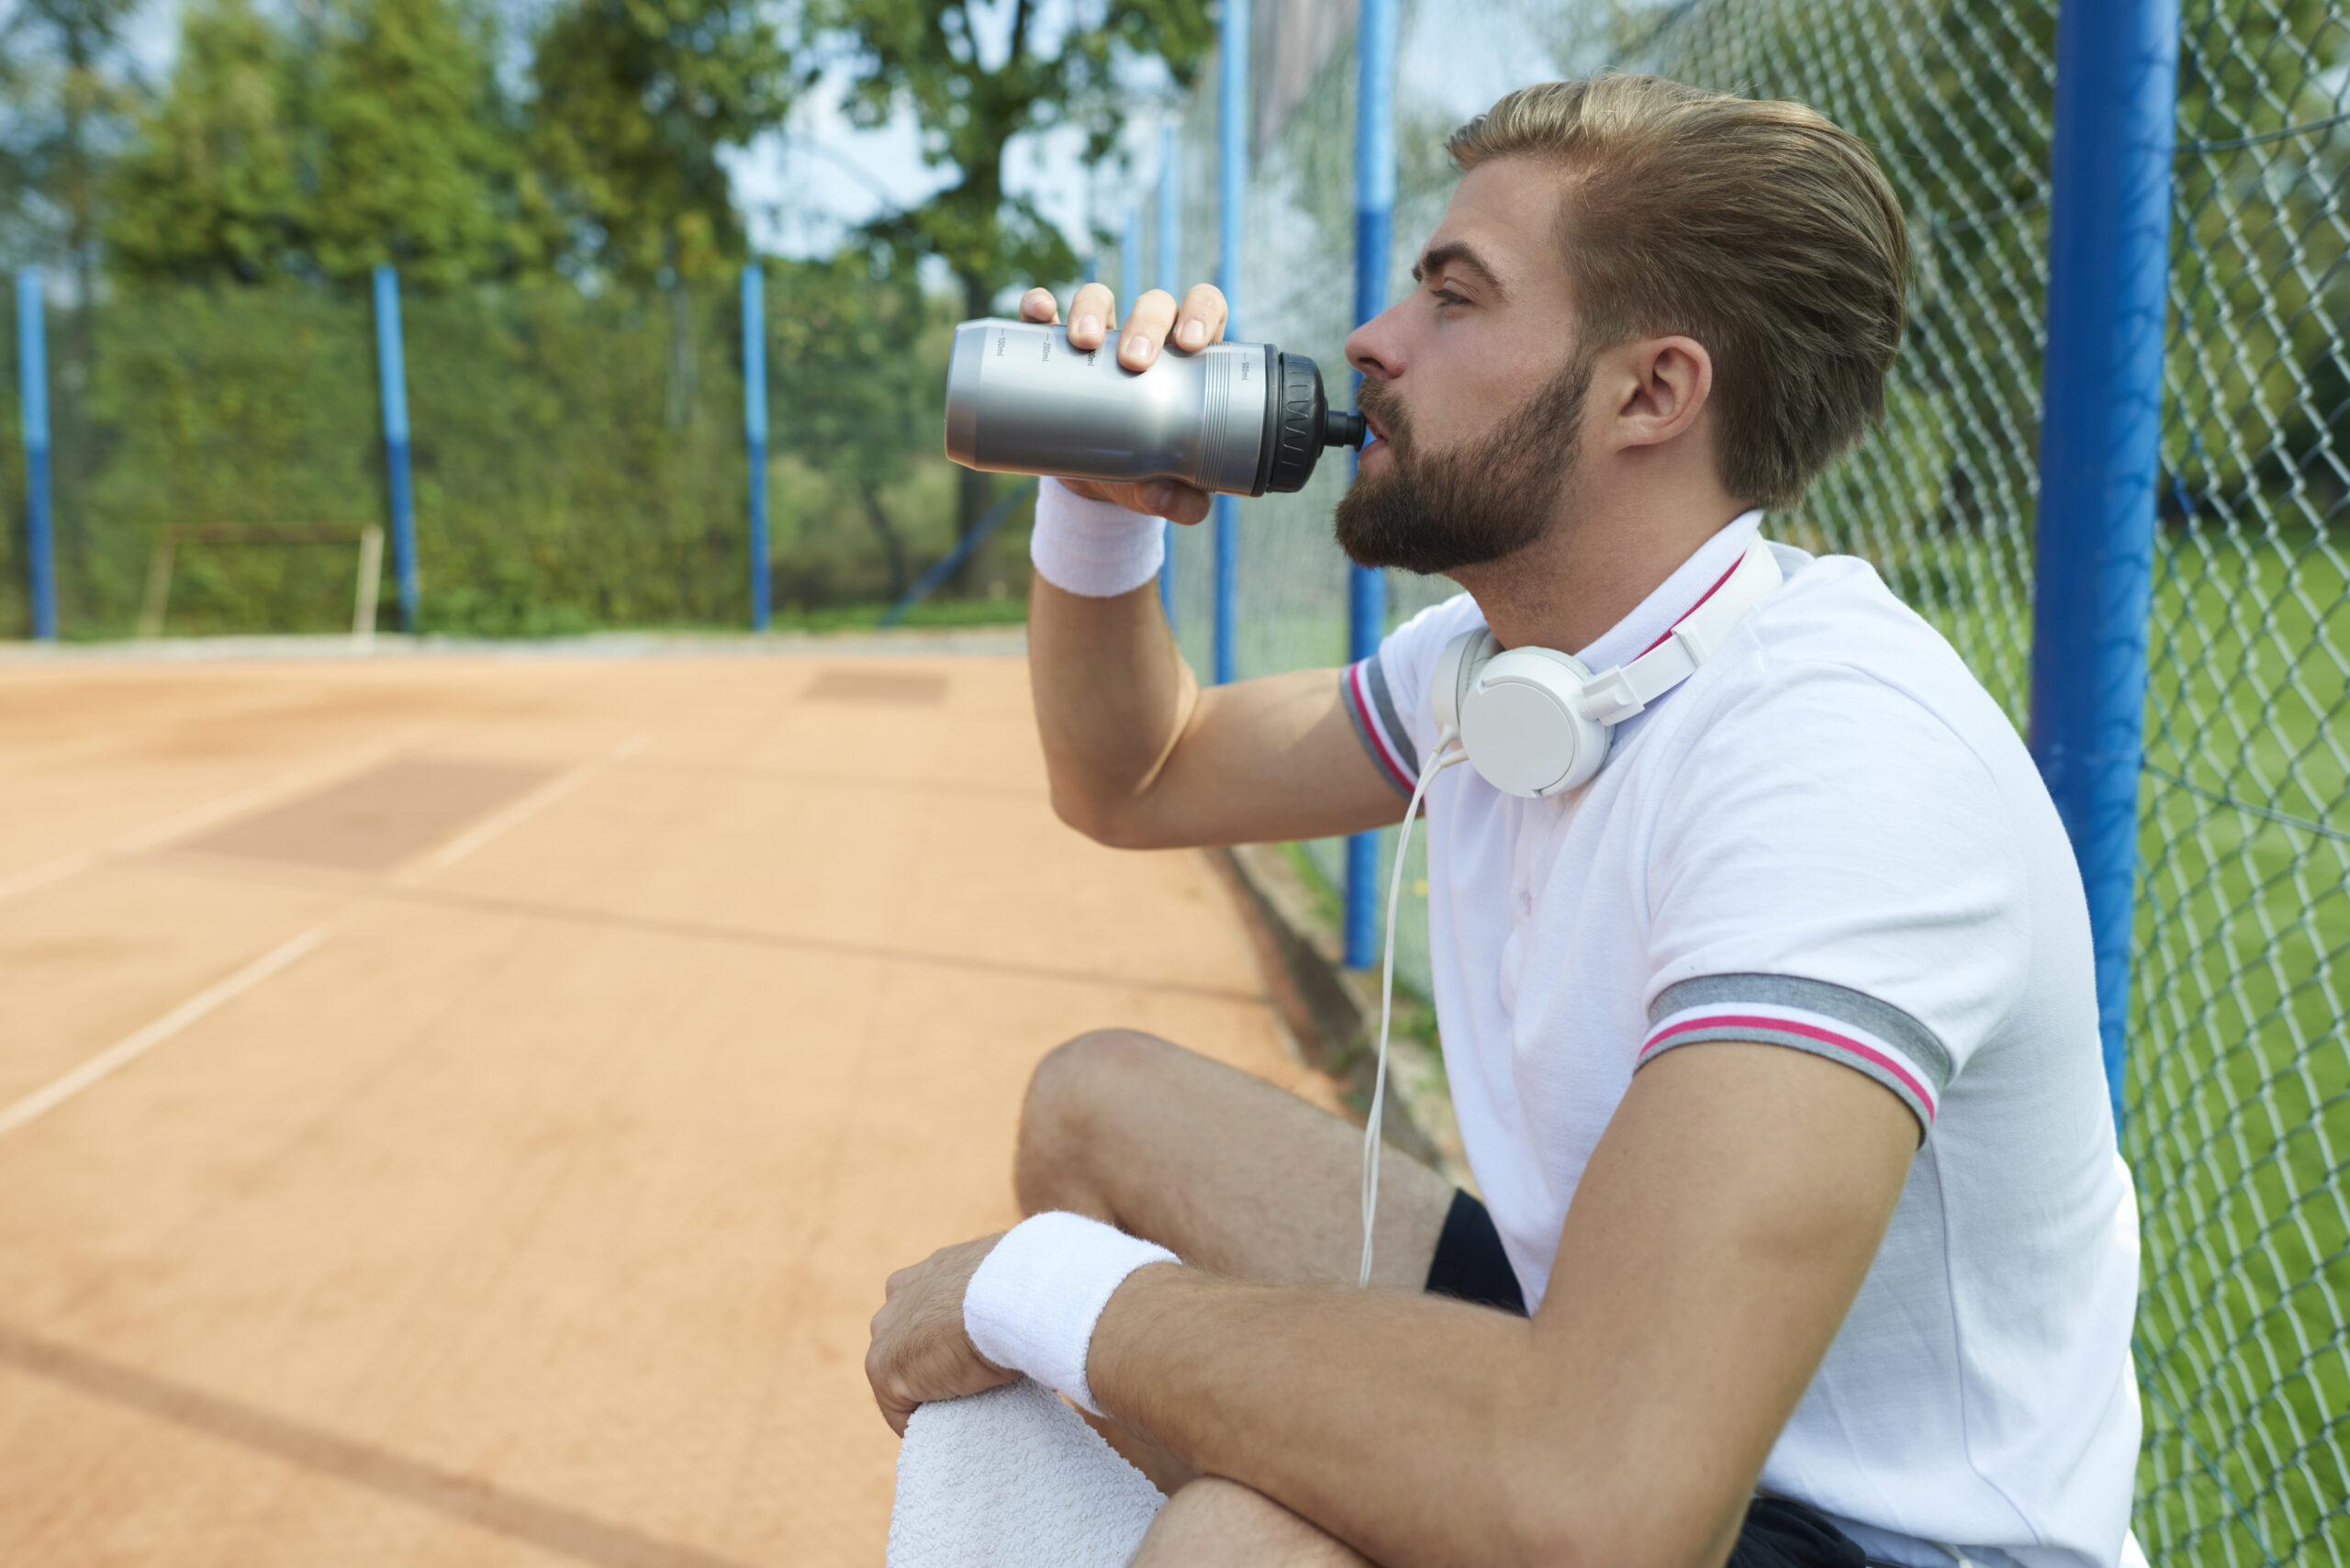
2239,1092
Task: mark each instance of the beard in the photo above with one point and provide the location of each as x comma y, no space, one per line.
1475,501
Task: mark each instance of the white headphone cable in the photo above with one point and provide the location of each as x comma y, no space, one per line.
1446,753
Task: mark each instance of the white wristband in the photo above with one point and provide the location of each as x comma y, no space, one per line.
1032,1305
1094,548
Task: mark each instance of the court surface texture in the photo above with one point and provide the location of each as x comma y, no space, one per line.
462,1109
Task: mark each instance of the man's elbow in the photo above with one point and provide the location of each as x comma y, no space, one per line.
1115,824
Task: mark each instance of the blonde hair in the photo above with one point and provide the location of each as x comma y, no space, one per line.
1760,229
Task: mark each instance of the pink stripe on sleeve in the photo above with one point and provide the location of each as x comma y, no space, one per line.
1810,1031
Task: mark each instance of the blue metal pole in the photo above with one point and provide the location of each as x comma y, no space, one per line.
1232,197
391,374
1130,260
1171,277
1374,231
2109,264
32,418
754,433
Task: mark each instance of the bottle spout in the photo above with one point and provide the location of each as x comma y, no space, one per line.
1340,428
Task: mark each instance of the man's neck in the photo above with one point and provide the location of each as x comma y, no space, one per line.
1593,568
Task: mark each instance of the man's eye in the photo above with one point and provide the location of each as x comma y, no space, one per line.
1445,297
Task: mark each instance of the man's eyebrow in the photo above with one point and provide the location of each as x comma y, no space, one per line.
1456,254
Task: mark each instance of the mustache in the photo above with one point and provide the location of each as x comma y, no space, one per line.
1380,402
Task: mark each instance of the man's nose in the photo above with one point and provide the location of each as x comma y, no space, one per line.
1373,348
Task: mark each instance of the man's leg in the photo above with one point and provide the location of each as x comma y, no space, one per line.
1218,1524
1223,1170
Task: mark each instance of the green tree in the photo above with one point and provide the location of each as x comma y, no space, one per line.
857,355
634,102
1075,68
417,162
212,187
376,135
67,87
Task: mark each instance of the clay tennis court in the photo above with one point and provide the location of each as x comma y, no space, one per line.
461,1109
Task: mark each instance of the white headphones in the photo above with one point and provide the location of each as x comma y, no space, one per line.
1535,722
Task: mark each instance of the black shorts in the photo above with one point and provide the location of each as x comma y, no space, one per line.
1779,1531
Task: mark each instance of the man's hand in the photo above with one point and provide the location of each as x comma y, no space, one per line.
1153,322
920,1351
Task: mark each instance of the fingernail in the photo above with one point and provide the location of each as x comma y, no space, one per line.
1085,326
1193,333
1162,494
1139,346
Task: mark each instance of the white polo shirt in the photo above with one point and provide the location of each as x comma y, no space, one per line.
1829,838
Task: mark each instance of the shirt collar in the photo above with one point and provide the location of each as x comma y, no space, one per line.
1675,598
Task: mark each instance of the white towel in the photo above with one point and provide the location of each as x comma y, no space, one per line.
1013,1478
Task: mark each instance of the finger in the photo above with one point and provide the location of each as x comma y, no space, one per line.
1201,321
1037,304
1176,502
1146,330
1089,316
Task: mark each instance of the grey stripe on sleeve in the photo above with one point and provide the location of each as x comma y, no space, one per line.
1370,742
1375,677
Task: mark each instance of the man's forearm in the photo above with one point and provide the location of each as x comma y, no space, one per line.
1403,1425
1113,695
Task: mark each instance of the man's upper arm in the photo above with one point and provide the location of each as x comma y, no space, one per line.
1261,760
1309,754
1718,1234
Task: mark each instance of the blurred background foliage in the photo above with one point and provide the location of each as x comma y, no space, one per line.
551,179
551,184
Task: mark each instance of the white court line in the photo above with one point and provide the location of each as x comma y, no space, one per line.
56,870
545,795
138,1045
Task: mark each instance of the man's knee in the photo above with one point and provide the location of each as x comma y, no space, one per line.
1214,1523
1072,1105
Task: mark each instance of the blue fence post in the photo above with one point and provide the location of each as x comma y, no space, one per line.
1374,231
2109,265
32,418
1170,278
754,433
391,375
1232,199
1130,260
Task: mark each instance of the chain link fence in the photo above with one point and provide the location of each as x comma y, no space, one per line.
578,456
2238,1090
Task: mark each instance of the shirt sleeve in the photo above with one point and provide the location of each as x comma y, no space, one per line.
1386,694
1864,899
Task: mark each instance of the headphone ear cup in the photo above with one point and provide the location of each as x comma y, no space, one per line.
1522,726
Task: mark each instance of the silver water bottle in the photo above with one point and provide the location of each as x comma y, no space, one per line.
1238,417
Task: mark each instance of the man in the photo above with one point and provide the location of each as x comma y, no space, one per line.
1773,1045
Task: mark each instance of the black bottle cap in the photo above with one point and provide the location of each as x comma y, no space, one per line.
1299,423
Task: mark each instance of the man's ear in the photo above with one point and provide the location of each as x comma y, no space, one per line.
1659,385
